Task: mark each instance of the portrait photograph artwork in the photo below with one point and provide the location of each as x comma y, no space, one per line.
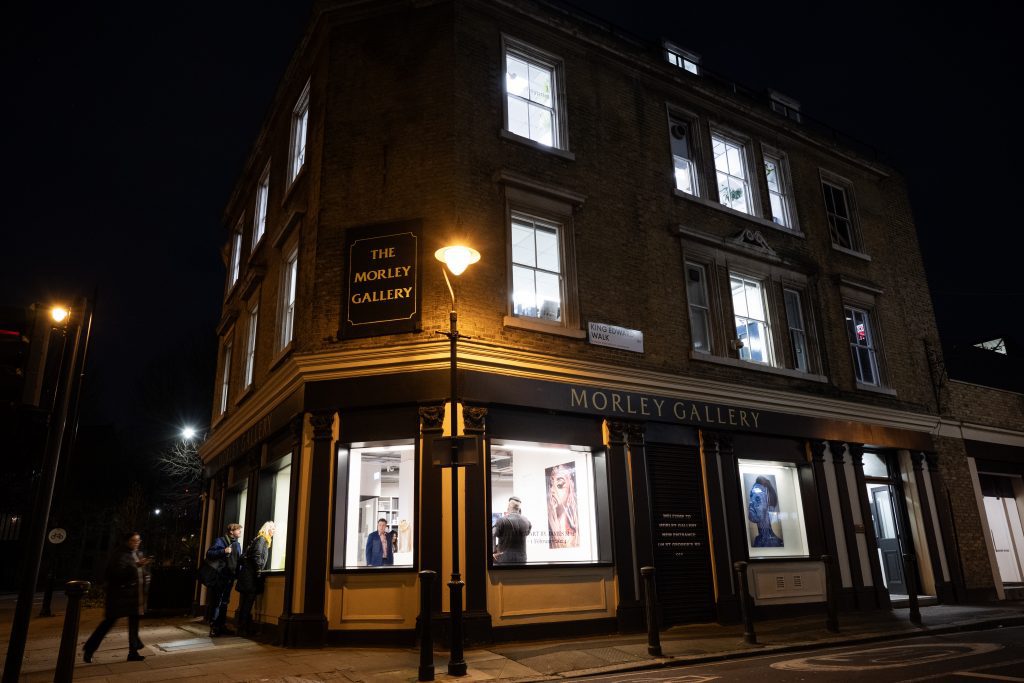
764,528
563,511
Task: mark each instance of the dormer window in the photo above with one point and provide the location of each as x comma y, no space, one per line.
684,59
786,106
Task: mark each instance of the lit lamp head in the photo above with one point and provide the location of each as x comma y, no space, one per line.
59,314
188,433
457,258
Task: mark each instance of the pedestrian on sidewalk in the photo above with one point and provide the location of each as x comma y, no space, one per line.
125,578
250,575
223,556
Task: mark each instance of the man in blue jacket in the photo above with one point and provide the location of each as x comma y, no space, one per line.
223,554
378,546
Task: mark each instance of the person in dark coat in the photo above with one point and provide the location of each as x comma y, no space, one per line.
510,534
124,577
250,575
378,546
224,553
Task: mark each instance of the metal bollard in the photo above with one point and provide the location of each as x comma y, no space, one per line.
831,599
910,576
69,636
746,609
653,637
426,671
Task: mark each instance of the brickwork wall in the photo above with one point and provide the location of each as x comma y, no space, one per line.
959,491
986,406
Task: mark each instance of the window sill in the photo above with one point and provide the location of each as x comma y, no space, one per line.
747,365
876,389
550,565
246,393
296,179
282,354
218,419
256,247
563,153
757,220
851,252
540,326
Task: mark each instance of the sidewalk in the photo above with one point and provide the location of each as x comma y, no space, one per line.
178,649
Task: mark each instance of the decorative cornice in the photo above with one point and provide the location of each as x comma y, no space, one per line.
473,417
432,418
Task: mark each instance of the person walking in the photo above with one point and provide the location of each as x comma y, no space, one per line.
250,575
223,554
125,578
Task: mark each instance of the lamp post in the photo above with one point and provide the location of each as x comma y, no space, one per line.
74,325
457,259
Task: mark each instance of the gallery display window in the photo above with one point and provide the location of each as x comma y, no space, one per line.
548,504
773,509
375,505
234,508
272,505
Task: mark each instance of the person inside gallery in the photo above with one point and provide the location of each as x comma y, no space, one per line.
510,534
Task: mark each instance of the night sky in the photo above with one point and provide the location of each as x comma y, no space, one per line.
125,126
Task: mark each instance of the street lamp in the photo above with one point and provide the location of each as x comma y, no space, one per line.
74,325
457,259
188,433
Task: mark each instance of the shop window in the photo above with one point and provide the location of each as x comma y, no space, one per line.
380,485
234,507
772,508
546,507
272,506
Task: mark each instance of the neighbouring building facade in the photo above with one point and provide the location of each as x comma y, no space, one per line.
699,333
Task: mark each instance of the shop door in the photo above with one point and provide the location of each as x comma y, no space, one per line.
887,533
1006,536
681,553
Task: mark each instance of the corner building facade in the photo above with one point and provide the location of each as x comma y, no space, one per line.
698,334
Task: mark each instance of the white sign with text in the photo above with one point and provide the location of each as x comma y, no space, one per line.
616,337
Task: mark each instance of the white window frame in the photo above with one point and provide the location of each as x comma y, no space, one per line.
869,347
767,324
783,190
551,209
259,225
727,140
693,306
836,219
225,374
541,60
538,225
235,266
252,327
684,59
798,337
299,135
691,164
289,283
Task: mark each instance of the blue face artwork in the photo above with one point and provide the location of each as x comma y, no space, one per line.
761,499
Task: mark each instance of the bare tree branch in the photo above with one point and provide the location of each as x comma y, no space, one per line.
181,462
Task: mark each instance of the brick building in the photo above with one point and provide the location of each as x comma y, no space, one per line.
699,333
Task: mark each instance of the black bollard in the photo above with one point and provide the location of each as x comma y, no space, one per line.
426,672
653,637
69,636
910,576
831,598
746,609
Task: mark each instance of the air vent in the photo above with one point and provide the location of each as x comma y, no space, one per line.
678,131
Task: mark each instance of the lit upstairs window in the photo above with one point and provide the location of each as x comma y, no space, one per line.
684,59
998,345
300,121
533,82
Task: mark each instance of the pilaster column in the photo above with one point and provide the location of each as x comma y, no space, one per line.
629,611
838,450
920,472
957,590
295,430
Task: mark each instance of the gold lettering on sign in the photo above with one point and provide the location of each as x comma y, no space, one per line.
631,404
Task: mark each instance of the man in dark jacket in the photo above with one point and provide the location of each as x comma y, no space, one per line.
223,554
510,534
124,596
378,546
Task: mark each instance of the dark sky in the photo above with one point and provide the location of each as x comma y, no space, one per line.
125,126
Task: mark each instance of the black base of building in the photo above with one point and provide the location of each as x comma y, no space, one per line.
382,637
302,630
587,627
476,628
630,617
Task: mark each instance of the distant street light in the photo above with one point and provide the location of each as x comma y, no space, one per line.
457,258
156,512
188,433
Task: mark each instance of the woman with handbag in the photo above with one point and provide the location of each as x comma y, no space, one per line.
250,575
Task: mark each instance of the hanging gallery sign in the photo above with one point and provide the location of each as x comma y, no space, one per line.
382,280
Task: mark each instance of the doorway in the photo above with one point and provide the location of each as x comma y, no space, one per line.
1004,525
889,520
